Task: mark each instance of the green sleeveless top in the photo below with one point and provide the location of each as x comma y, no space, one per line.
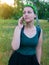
28,45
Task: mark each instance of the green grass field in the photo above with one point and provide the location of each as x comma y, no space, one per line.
6,34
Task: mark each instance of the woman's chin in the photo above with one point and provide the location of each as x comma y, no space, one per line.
27,21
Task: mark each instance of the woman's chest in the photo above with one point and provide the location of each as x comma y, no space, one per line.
26,41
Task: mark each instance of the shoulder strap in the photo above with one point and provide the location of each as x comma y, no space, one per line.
38,30
21,32
21,35
22,29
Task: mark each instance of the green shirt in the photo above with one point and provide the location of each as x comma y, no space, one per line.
28,45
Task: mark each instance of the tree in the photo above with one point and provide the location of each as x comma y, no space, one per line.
5,11
17,9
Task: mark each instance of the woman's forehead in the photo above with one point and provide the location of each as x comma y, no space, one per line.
27,9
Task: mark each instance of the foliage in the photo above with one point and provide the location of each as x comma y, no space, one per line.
17,9
15,12
5,11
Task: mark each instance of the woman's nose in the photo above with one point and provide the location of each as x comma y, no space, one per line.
26,14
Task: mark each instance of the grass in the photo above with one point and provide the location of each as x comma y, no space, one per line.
6,34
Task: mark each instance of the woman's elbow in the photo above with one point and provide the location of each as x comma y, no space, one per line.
14,47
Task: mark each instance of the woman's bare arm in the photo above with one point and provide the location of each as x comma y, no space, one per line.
39,48
16,38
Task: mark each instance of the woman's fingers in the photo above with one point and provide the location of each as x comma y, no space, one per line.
20,22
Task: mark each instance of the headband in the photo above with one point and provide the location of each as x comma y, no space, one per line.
32,6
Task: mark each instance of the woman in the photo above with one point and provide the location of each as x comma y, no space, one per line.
27,40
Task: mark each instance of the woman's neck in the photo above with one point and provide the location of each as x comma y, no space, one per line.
29,25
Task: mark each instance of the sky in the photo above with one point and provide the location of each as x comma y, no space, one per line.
9,2
45,0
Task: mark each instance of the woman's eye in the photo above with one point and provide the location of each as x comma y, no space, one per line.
29,12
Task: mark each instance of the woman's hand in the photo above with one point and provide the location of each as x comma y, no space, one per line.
20,22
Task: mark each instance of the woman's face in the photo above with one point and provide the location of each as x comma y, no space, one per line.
28,14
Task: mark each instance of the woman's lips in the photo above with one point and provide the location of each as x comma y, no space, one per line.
26,18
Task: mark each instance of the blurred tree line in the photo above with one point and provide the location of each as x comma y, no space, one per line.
15,12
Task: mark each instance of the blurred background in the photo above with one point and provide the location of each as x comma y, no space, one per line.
12,9
10,12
